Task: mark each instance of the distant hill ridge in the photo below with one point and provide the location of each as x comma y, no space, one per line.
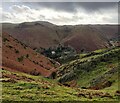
44,34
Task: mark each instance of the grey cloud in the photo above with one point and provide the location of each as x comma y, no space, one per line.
59,6
73,6
95,6
31,9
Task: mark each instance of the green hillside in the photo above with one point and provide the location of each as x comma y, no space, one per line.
94,75
18,86
95,70
23,87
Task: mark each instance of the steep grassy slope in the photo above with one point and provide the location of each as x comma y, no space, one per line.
45,35
17,86
95,70
19,57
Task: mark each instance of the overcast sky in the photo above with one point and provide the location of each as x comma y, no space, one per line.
61,13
